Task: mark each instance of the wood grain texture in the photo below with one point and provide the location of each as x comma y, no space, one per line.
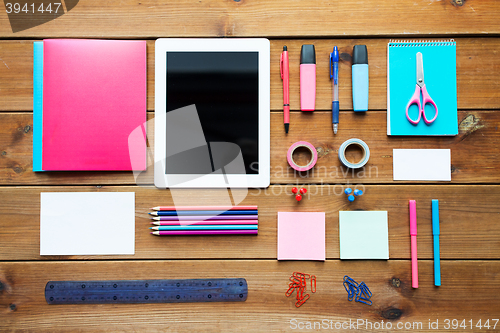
477,68
267,309
469,210
468,220
212,18
474,155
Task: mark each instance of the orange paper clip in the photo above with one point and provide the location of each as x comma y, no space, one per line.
302,301
290,291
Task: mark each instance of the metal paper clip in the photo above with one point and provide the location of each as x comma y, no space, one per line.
359,292
365,301
302,300
364,290
290,290
313,283
298,283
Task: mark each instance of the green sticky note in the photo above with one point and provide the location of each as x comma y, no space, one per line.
363,235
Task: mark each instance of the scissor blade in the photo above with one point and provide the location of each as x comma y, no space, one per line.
420,70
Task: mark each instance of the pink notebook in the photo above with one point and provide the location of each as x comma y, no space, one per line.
94,99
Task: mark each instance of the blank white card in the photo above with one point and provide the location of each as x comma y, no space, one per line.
87,223
422,164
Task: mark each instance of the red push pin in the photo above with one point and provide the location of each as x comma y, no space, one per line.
298,193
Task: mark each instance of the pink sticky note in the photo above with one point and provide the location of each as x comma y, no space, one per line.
94,97
301,236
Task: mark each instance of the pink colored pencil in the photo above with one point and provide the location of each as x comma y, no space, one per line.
178,208
206,218
222,222
205,232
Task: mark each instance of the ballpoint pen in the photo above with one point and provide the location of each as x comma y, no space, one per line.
334,76
284,72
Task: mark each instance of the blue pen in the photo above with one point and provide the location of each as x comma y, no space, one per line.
435,234
334,76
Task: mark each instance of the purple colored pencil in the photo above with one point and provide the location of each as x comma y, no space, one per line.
205,232
206,218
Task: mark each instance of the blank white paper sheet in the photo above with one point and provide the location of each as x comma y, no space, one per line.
83,223
422,164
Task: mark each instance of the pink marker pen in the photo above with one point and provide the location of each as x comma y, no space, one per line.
307,78
413,236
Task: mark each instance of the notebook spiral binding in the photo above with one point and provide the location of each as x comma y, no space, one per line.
414,43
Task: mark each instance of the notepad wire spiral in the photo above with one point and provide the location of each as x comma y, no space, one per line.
415,43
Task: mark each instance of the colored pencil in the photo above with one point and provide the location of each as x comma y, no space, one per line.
205,232
230,222
205,227
178,208
206,218
204,212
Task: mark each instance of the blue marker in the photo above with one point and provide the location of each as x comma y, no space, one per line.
348,191
350,198
360,78
435,234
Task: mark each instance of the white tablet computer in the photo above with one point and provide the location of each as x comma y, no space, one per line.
212,113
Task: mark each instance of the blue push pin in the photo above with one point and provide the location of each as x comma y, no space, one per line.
348,191
350,198
358,193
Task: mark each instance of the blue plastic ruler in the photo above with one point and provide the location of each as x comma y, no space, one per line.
146,291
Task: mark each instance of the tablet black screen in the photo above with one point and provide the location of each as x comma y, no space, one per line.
224,87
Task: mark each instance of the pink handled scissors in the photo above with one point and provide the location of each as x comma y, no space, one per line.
426,99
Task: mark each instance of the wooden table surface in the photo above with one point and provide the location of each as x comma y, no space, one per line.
469,204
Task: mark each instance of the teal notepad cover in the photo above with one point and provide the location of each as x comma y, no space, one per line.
37,105
440,77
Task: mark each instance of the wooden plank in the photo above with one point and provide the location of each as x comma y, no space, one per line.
16,75
477,84
466,293
468,215
474,158
212,18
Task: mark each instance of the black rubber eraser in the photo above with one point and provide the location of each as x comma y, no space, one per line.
307,54
359,55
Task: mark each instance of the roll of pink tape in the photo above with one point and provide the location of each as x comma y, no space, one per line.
308,146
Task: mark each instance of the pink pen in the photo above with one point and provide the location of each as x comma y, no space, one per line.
307,78
413,235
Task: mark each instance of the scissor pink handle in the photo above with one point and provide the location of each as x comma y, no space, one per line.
426,99
415,99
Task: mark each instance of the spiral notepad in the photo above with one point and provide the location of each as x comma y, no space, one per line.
440,74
